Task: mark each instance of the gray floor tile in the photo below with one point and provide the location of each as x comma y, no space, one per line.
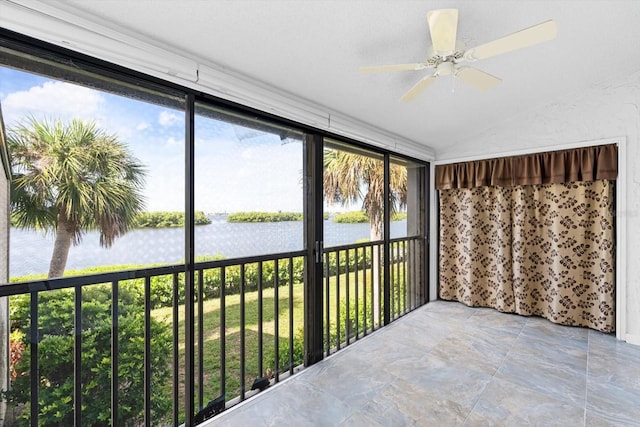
553,381
360,419
567,358
613,402
404,403
594,420
478,352
446,364
506,404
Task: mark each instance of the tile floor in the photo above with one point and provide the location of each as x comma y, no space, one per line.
446,364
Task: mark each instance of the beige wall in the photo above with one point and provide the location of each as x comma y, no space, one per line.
607,110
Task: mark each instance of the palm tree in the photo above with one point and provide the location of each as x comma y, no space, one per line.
71,178
347,176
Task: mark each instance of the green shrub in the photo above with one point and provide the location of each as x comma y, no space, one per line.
348,326
359,217
55,357
398,216
364,260
354,217
283,353
264,216
167,219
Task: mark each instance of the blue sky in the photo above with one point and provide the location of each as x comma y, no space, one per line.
237,169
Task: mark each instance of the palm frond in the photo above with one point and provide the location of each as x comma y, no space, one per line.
76,169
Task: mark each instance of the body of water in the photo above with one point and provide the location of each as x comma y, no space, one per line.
30,251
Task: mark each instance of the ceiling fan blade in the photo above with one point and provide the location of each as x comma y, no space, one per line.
527,37
397,67
418,87
443,26
478,79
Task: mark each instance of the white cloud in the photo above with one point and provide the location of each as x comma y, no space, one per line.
171,142
142,126
52,100
167,119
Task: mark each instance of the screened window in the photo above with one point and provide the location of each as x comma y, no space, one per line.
108,153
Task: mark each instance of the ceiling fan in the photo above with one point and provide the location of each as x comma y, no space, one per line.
446,53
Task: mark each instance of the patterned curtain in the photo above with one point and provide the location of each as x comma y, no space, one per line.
475,247
563,253
545,250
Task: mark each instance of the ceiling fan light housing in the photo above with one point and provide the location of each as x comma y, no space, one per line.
445,68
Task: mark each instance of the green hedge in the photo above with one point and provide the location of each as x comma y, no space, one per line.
355,217
359,217
264,216
162,286
167,219
56,363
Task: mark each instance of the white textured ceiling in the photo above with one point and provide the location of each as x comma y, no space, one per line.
314,48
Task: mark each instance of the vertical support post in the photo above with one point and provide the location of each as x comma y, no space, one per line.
260,320
189,407
337,300
426,229
387,236
243,357
77,357
147,351
291,332
276,318
175,317
418,225
200,339
115,380
34,366
223,335
313,237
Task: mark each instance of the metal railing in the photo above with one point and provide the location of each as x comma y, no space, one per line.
234,298
354,288
118,336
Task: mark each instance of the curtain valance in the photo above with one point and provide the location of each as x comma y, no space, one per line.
554,167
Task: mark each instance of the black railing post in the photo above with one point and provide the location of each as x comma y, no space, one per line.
291,335
425,224
223,333
276,318
387,235
200,339
327,303
189,407
347,320
260,320
115,383
77,357
176,372
243,331
33,362
338,300
147,351
313,236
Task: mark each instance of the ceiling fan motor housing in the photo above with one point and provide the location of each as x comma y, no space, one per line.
436,58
